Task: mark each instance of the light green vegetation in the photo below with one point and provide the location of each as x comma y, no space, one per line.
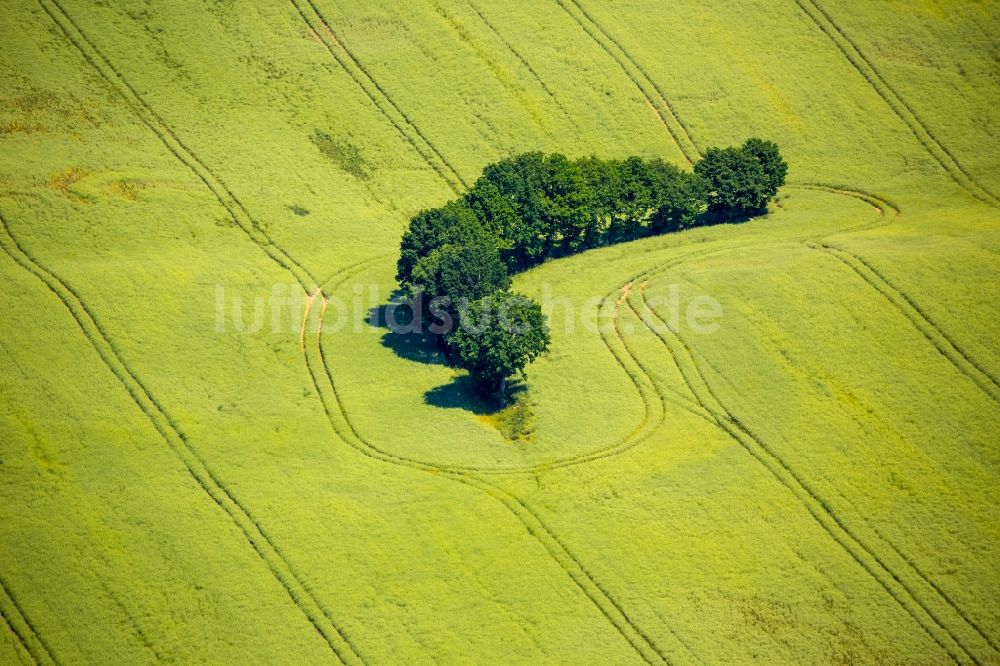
814,482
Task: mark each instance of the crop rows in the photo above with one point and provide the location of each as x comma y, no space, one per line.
28,638
906,113
320,369
252,530
903,592
324,32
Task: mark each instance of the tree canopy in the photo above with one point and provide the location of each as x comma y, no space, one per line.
742,180
500,334
461,273
452,224
534,206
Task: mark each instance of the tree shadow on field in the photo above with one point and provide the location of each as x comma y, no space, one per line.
401,336
408,341
460,393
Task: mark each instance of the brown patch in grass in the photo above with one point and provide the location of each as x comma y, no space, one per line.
63,181
17,127
127,188
516,421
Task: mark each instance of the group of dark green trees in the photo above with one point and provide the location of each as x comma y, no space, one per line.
457,259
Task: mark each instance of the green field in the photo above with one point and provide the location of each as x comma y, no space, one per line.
815,482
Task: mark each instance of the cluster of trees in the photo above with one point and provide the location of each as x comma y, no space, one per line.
532,207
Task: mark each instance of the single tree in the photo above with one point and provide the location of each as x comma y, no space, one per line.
461,274
604,180
735,180
520,180
498,215
775,168
566,206
634,200
498,336
454,223
678,197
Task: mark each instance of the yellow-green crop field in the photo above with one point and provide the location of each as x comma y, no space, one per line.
210,454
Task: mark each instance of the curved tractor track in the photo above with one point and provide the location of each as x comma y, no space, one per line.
178,442
183,153
944,343
652,419
338,642
708,406
608,605
338,417
28,637
911,588
940,153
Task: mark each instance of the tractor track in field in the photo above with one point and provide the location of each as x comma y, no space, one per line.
930,581
940,153
638,434
556,545
685,360
28,637
524,62
183,153
607,605
19,640
941,340
664,109
319,367
321,28
257,537
817,507
498,71
945,344
951,350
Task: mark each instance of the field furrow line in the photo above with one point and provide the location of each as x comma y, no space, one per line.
321,28
491,61
685,129
24,652
252,530
319,367
824,515
920,572
664,110
727,420
963,361
133,622
903,110
940,340
639,434
524,62
28,637
945,345
151,119
880,203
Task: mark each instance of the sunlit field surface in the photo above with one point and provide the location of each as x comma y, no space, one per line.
811,479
